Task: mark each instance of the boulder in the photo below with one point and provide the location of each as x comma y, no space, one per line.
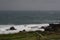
12,28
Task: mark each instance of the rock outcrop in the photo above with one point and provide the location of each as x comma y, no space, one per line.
53,27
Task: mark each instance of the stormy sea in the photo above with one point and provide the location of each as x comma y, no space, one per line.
23,18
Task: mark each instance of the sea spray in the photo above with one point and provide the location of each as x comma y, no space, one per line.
27,27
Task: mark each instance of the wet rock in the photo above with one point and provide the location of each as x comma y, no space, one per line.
12,28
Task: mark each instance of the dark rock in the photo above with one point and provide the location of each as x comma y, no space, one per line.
12,28
24,30
53,27
43,27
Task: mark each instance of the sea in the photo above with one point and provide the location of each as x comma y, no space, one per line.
29,17
18,18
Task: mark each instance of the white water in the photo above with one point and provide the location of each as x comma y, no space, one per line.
28,27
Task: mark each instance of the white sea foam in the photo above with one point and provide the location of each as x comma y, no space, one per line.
27,27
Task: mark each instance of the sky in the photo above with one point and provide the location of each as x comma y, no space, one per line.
29,5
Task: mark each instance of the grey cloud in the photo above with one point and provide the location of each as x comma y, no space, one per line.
29,4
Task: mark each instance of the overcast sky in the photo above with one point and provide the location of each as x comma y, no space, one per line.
29,4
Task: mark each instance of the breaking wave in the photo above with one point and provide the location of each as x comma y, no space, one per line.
27,27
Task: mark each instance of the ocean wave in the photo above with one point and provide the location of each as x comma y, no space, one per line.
26,27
